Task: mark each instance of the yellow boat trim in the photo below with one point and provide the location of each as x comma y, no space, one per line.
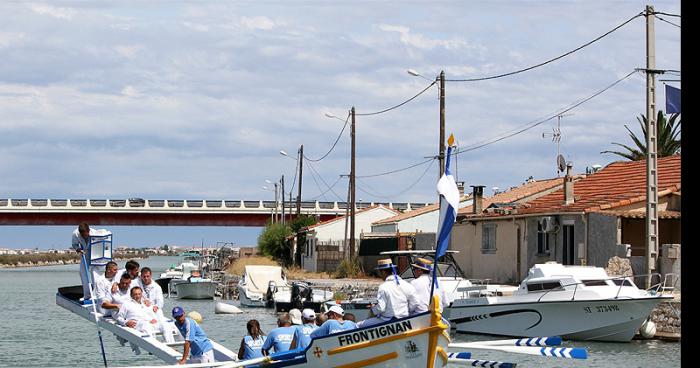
383,340
370,361
446,336
436,321
441,352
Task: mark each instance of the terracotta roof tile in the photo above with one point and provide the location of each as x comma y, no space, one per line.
343,217
517,194
414,213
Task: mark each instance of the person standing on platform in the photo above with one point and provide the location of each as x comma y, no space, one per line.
80,243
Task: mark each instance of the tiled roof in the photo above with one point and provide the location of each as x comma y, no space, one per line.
343,217
516,194
416,212
619,184
642,214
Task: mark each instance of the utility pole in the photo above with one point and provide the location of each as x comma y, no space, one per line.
282,181
442,124
352,185
652,225
301,160
277,205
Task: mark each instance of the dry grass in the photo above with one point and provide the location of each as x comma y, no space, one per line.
296,273
238,267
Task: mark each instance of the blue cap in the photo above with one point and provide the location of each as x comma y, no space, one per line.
177,312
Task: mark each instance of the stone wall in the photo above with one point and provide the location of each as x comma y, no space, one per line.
667,317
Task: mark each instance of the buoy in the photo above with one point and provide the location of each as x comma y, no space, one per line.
195,316
648,329
224,308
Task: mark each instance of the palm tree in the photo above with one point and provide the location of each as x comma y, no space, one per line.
668,136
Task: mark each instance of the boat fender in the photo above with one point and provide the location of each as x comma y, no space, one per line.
195,316
648,329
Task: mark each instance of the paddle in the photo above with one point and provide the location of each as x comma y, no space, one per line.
569,353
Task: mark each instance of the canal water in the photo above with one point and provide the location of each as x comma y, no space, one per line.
38,333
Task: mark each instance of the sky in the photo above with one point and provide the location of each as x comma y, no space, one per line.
194,100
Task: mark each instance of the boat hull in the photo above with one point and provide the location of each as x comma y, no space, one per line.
599,320
194,290
250,302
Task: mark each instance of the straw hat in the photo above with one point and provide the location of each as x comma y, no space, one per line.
423,264
383,264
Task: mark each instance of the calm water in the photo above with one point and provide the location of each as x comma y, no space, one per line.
38,333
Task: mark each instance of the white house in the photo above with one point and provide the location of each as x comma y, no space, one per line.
324,248
423,219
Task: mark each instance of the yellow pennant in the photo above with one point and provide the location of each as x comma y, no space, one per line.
451,140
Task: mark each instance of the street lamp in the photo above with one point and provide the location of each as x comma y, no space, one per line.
274,212
300,161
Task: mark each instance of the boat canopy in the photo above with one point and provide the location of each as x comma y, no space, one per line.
257,278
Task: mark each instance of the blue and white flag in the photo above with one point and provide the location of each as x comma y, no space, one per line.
673,100
449,203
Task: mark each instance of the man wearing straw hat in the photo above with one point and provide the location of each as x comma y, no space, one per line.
395,296
422,268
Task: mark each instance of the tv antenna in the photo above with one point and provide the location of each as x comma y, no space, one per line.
556,137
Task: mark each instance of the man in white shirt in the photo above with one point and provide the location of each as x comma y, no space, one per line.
395,296
151,290
79,242
422,268
135,314
111,302
103,284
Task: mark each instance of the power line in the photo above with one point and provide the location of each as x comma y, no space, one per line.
532,125
399,105
550,60
397,170
669,14
316,181
664,20
420,178
327,190
308,164
334,143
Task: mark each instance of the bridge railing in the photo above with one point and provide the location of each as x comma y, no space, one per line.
138,204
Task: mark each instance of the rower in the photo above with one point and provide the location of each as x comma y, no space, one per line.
302,335
422,268
395,297
281,337
335,323
197,344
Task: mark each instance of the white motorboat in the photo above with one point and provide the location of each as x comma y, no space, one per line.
574,302
299,295
185,280
255,283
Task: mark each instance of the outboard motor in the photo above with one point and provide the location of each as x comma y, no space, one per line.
270,295
301,291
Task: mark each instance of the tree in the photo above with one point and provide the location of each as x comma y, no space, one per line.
272,242
668,137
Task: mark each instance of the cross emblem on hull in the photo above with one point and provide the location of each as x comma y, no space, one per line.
318,352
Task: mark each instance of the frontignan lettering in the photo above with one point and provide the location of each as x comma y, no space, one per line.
374,333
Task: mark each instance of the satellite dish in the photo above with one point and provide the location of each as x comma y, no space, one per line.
561,163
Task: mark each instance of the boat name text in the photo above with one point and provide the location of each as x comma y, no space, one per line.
374,333
602,308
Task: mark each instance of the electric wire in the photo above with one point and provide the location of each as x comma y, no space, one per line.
389,197
664,20
669,14
334,143
532,125
395,171
327,190
323,181
397,106
316,181
550,60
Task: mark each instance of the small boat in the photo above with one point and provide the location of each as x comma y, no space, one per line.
69,299
574,302
300,295
256,282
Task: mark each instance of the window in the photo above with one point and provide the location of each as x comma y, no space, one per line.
594,282
542,240
488,238
543,286
623,282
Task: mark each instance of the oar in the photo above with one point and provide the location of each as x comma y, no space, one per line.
94,308
244,363
480,363
531,341
569,353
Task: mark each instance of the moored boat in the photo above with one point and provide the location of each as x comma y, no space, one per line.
575,302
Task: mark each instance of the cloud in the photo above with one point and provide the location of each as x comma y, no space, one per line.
259,22
52,11
423,42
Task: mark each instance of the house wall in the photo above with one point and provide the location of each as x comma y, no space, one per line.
602,239
499,266
385,228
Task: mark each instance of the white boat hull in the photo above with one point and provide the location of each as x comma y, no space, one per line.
246,300
194,290
600,320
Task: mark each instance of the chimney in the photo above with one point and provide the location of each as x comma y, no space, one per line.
460,187
568,185
477,198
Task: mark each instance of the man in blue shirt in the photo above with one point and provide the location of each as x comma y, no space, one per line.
334,324
302,336
196,341
281,337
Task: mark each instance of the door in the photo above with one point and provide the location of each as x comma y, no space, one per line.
569,253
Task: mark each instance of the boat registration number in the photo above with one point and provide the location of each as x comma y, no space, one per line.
602,308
